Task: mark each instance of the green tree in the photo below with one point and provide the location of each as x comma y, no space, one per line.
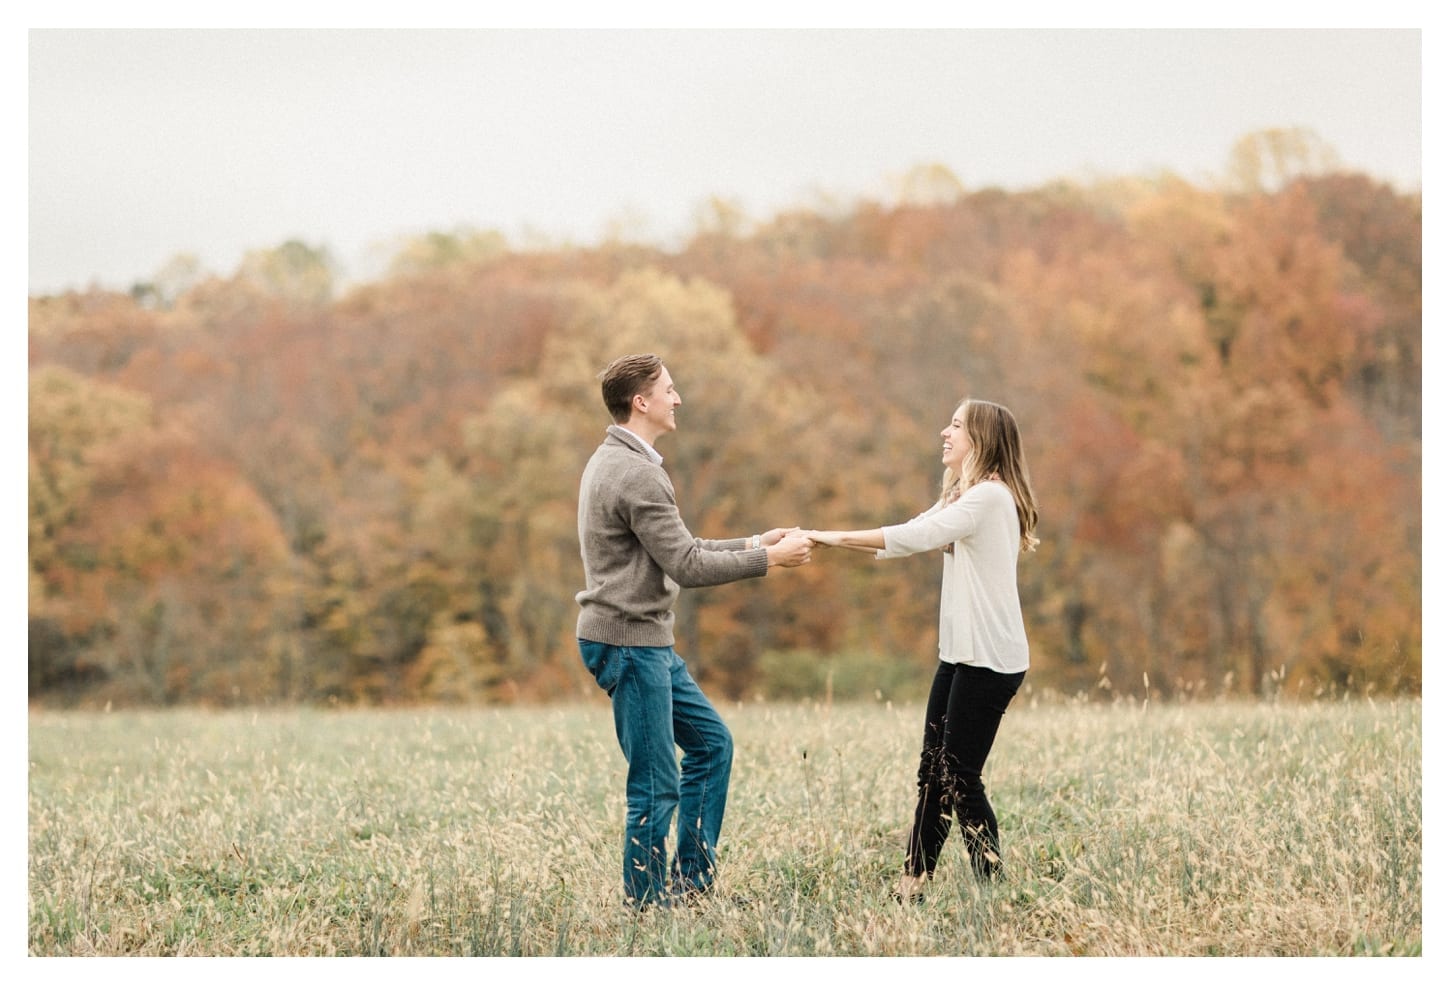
294,272
1268,160
437,250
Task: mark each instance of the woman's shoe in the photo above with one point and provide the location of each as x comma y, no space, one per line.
909,890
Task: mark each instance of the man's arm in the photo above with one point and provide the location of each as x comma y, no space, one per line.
649,501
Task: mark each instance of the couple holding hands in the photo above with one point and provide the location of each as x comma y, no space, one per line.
638,553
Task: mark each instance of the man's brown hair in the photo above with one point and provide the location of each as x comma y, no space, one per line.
625,377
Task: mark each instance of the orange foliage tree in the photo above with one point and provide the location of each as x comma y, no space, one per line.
246,488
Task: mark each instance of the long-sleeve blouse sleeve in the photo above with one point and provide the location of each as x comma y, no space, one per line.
942,524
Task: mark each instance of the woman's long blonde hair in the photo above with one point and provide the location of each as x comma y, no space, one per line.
996,453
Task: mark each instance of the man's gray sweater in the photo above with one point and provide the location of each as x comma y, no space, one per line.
637,551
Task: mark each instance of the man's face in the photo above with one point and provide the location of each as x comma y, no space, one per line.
660,403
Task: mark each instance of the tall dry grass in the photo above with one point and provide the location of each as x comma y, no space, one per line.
1128,829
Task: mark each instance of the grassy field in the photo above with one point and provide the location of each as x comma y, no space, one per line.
1128,829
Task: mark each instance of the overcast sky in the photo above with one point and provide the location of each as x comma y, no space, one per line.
148,144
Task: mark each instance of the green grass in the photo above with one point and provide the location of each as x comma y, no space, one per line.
1171,829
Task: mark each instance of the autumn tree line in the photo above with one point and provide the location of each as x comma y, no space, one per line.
264,488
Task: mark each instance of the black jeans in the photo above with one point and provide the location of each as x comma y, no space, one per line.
963,710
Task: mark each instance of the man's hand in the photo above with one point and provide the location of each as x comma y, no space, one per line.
772,537
788,551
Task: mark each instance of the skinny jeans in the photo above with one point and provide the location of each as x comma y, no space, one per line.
963,710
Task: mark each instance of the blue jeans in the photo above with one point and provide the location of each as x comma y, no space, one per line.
658,706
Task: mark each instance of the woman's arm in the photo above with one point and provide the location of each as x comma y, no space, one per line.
936,528
866,541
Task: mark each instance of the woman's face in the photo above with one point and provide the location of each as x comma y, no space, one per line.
956,446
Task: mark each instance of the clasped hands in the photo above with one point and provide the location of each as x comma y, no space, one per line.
791,546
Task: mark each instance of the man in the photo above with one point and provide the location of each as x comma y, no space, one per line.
637,555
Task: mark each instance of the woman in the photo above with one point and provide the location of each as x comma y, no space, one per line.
984,519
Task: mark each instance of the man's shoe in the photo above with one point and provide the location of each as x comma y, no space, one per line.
702,897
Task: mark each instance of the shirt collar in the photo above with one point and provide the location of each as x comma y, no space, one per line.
619,431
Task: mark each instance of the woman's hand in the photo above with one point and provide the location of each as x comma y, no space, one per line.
865,541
